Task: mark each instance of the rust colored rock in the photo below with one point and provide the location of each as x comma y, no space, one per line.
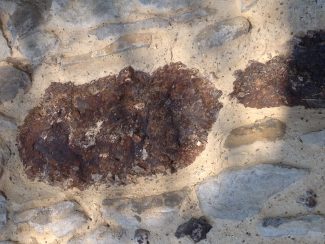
296,79
118,127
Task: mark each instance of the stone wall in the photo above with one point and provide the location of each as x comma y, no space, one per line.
258,173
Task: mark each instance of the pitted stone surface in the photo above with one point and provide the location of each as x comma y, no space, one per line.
222,32
119,127
11,81
147,212
59,219
239,194
267,129
292,226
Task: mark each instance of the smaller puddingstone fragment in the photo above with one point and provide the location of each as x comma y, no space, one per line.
197,229
296,79
119,127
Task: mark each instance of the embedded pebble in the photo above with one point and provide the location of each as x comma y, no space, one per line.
267,129
3,211
60,219
222,32
141,236
11,81
314,140
292,226
196,229
240,193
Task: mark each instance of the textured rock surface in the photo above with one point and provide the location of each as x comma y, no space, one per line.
147,212
59,219
3,211
197,229
222,32
238,194
101,235
119,126
11,81
315,140
267,129
292,80
292,226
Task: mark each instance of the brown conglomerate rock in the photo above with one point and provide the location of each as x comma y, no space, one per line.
119,127
291,80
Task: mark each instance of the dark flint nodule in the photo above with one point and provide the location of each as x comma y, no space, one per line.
116,128
296,79
197,229
141,236
308,199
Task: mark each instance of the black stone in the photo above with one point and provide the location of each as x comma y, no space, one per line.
197,229
308,199
141,236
